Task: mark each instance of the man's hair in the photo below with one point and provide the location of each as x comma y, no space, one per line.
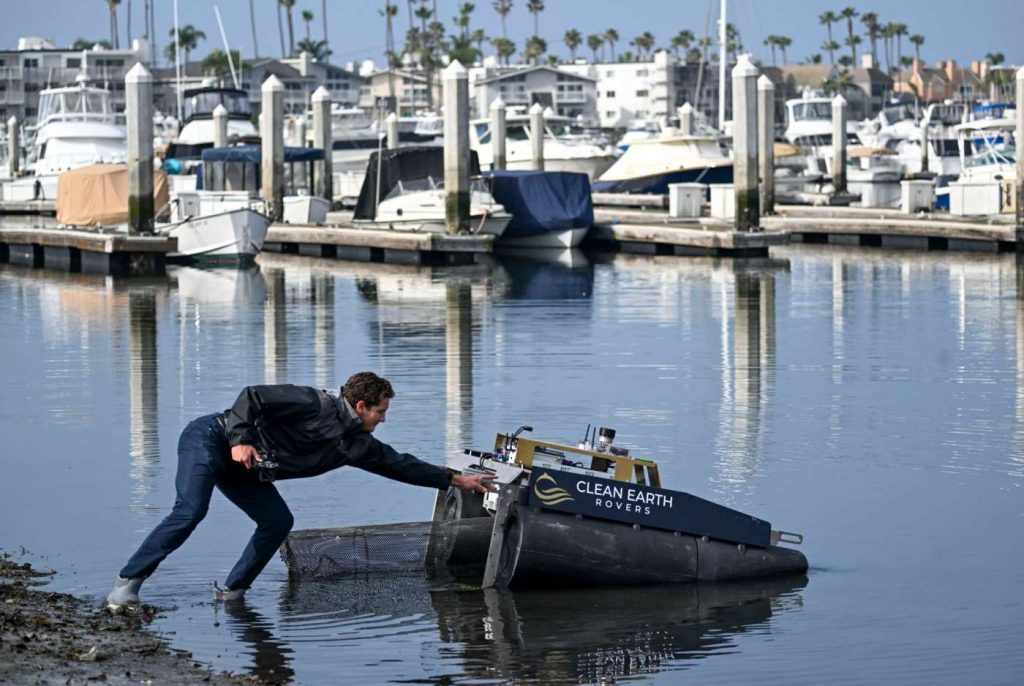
368,387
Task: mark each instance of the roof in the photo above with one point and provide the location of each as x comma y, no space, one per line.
254,154
277,68
529,70
813,75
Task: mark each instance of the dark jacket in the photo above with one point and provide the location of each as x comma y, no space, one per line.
312,431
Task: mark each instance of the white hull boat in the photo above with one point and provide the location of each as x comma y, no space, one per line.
424,210
305,209
234,235
570,238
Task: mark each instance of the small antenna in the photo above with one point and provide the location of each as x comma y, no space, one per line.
227,49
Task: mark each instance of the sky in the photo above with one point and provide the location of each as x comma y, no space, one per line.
952,28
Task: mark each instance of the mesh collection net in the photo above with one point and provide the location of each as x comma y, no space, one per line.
388,549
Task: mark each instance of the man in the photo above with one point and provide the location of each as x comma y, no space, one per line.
275,432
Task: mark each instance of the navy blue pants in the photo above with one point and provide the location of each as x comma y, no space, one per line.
204,461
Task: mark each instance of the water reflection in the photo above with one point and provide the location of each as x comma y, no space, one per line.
142,404
322,287
747,395
458,365
275,329
577,636
271,658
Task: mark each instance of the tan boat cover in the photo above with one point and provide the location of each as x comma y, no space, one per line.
97,195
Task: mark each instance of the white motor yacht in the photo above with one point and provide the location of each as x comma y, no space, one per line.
563,151
650,165
809,126
993,158
197,121
404,191
639,130
75,128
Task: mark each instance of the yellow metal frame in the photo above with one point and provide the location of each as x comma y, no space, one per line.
626,468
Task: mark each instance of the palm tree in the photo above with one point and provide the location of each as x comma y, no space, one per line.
504,47
389,13
783,43
323,18
188,38
478,36
771,41
683,39
535,7
814,59
503,7
611,37
280,29
86,44
112,7
870,21
899,30
827,19
572,40
848,13
289,5
918,40
643,43
317,49
830,46
462,21
252,23
852,42
307,17
535,47
887,36
733,44
594,42
218,65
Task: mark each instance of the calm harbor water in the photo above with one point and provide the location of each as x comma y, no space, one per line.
873,401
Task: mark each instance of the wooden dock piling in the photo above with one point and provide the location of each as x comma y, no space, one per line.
537,135
498,134
766,142
744,116
839,144
321,102
139,115
456,147
272,142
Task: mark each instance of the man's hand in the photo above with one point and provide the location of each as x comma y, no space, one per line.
476,483
244,454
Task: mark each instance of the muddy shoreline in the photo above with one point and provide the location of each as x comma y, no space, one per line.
57,638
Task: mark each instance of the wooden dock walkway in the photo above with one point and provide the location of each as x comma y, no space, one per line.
95,252
41,207
340,239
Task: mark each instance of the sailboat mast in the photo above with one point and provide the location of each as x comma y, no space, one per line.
722,63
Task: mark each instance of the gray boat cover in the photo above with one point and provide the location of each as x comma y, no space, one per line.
542,202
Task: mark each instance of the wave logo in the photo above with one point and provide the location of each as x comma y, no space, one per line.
550,495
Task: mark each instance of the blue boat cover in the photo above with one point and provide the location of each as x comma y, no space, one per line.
542,202
253,154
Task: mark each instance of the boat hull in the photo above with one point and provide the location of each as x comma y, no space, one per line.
659,183
548,548
234,236
568,238
483,224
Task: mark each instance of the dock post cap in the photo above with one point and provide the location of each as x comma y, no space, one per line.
455,70
764,83
392,117
138,74
272,85
13,121
687,107
744,67
537,108
321,94
839,100
220,111
498,104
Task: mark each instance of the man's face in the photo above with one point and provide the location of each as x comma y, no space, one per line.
372,415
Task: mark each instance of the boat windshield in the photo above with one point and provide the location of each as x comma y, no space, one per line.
803,111
351,119
429,183
73,103
201,105
891,115
517,133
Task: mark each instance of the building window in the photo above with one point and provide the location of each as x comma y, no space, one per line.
609,115
74,62
609,94
641,94
641,72
31,63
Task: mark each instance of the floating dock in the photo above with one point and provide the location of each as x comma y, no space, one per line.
340,239
41,207
94,252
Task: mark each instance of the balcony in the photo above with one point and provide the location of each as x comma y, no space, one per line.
11,74
571,97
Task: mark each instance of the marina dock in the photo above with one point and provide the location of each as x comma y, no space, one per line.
116,254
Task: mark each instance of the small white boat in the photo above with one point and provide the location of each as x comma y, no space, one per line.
650,165
403,190
233,235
